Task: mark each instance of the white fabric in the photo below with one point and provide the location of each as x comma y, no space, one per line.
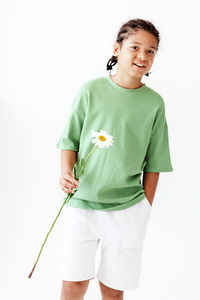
121,235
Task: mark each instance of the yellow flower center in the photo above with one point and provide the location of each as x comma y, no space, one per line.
102,138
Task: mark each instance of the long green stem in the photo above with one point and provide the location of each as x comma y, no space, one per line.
87,157
90,153
67,198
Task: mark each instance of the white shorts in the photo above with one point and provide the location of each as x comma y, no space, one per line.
121,235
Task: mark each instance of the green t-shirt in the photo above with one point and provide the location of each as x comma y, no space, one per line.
136,120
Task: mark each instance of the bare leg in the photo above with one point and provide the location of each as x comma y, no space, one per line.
74,290
109,293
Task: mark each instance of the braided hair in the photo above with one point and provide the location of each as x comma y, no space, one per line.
126,30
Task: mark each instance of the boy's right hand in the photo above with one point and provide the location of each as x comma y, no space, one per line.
68,182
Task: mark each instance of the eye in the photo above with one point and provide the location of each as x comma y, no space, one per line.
151,51
134,47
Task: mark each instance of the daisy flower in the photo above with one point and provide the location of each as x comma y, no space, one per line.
101,139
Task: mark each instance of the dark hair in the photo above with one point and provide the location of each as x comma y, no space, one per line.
127,29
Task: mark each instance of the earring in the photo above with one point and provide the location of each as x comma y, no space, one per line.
147,74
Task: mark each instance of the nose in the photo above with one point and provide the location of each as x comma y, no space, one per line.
142,56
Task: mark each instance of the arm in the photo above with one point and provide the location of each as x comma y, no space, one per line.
157,155
70,138
67,180
67,160
150,181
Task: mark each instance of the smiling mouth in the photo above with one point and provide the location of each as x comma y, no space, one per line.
139,66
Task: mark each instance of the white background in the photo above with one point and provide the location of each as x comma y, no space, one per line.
48,49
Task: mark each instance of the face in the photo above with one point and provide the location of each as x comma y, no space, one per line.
139,48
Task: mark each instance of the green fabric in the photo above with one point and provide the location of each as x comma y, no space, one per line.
136,120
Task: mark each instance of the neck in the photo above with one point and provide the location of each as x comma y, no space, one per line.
127,81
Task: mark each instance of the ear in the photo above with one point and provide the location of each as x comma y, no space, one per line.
116,48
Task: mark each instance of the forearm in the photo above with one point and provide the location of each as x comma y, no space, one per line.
150,181
67,161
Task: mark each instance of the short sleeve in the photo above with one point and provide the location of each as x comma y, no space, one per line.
70,136
158,152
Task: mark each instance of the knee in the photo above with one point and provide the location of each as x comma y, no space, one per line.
113,294
109,292
73,289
